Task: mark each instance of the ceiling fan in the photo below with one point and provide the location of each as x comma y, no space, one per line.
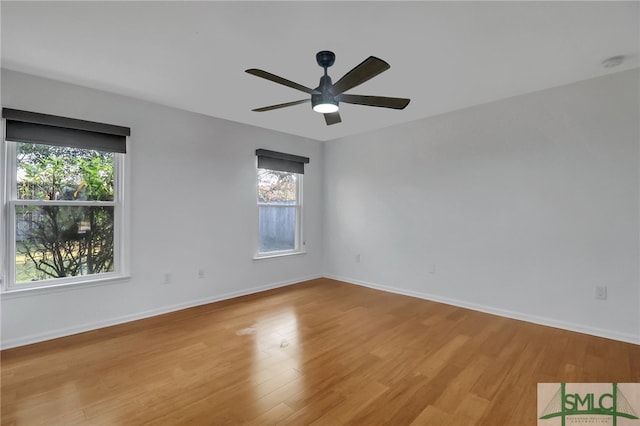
326,98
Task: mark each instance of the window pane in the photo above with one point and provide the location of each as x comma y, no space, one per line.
62,173
277,228
277,187
63,241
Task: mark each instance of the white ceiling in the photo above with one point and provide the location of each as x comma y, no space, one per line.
443,55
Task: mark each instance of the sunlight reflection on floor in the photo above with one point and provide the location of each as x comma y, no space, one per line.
276,361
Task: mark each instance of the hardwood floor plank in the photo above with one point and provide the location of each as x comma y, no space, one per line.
439,359
471,407
358,394
452,396
432,416
321,352
276,415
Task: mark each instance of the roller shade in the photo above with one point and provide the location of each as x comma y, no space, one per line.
36,128
280,161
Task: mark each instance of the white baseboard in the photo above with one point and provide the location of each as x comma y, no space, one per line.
54,334
549,322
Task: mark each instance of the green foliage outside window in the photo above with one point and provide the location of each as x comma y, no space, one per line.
55,241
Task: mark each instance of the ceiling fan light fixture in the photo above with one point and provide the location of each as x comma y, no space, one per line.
324,104
325,108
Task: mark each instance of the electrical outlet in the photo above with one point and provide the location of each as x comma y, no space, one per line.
167,278
358,258
201,273
601,292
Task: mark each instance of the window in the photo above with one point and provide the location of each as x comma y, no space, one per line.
279,203
279,210
65,203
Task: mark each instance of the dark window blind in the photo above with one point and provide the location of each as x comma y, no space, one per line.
280,161
45,129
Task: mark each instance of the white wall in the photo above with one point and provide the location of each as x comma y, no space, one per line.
192,206
524,206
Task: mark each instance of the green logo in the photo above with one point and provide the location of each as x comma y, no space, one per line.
597,402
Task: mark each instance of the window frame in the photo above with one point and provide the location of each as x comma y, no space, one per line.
299,243
11,202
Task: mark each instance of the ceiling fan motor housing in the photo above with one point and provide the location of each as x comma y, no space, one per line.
323,99
325,96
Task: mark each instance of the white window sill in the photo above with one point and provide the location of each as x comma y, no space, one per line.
14,292
275,255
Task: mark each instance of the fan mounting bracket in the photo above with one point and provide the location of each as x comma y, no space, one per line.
325,58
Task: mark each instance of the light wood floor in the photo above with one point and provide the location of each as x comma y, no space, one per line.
320,352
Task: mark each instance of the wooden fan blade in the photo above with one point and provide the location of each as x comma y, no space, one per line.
332,118
276,79
284,105
366,70
375,101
